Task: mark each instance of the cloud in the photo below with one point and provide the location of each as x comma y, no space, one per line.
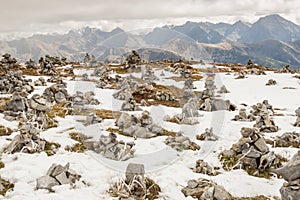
60,15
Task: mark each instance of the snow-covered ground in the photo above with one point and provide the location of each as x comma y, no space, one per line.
169,168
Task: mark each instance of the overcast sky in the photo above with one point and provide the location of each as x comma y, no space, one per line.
61,15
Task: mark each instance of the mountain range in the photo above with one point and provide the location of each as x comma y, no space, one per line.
271,41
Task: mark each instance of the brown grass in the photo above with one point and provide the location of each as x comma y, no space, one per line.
3,104
121,132
6,186
4,131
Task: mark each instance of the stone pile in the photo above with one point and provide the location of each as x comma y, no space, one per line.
164,96
100,71
130,105
31,64
148,75
16,107
57,175
111,148
271,82
57,93
47,65
205,189
81,99
92,119
208,100
255,71
106,81
207,135
288,139
188,84
133,59
252,154
297,123
265,123
138,126
7,61
126,87
188,114
57,80
243,116
180,68
28,141
262,108
204,168
40,82
14,82
291,173
180,142
90,61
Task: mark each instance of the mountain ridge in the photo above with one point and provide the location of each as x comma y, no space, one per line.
271,40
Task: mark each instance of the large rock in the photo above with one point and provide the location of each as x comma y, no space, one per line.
291,171
288,193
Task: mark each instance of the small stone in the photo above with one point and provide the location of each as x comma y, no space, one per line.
192,184
221,194
46,182
133,170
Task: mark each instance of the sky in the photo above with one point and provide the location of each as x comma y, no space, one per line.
21,17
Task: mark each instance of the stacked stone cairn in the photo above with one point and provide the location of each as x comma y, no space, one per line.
111,148
208,100
205,189
138,126
180,142
243,116
252,154
57,175
208,135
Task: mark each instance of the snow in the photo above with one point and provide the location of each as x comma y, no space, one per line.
170,169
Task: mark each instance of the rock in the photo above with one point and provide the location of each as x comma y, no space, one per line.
134,170
290,171
39,103
57,175
261,145
251,153
192,184
221,194
46,182
247,132
271,82
287,193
